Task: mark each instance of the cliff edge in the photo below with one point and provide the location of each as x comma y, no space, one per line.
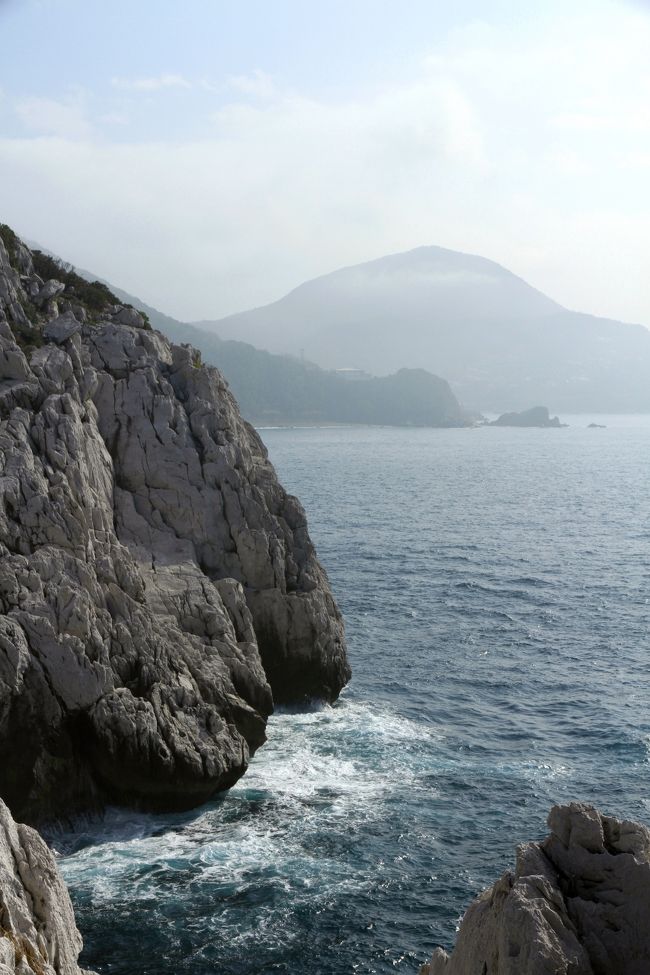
158,587
577,904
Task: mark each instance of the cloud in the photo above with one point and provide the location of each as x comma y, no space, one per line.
636,160
258,84
115,118
464,150
615,121
158,83
49,116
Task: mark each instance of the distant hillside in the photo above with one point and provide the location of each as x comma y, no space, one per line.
501,344
281,389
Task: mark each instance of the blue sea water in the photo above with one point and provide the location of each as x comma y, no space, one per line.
495,585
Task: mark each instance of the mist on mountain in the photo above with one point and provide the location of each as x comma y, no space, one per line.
499,342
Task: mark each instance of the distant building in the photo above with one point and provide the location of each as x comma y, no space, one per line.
350,372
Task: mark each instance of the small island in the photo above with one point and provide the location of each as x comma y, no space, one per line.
537,416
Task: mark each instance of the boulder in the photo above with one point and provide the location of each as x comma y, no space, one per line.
60,329
126,315
51,289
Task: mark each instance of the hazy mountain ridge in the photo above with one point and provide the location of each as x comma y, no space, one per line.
272,388
501,343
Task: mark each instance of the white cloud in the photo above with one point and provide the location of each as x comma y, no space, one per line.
569,163
258,84
115,118
158,83
598,121
49,116
636,160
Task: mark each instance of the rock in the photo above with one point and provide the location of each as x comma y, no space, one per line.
158,587
38,934
538,416
126,315
60,329
12,292
51,289
577,904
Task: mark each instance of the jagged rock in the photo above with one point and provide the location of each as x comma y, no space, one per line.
38,934
51,289
11,291
577,904
128,316
154,576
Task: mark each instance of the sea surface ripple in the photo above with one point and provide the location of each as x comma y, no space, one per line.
495,586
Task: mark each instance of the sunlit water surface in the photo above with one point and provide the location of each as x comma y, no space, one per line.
495,587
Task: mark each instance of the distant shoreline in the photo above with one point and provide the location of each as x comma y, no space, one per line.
574,420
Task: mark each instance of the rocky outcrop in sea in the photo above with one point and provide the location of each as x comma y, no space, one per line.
577,904
158,588
537,416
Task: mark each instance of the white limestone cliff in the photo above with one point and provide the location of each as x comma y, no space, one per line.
158,587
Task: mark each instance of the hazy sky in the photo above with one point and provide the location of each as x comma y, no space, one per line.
209,156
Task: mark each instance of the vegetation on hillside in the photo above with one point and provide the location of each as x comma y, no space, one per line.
281,389
11,242
94,296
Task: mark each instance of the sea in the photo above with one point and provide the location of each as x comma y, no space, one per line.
495,584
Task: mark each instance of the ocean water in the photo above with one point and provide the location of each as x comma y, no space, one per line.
495,585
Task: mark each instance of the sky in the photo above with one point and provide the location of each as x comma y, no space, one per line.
209,156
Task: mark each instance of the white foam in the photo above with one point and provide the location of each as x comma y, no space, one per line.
318,768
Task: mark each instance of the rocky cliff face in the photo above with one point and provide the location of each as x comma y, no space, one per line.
38,935
158,587
577,904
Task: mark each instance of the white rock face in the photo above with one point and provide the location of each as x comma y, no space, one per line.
38,934
155,579
577,904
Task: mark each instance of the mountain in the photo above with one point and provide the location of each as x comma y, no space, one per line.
501,344
159,591
281,389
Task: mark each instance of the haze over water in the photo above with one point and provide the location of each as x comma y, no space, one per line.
494,584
